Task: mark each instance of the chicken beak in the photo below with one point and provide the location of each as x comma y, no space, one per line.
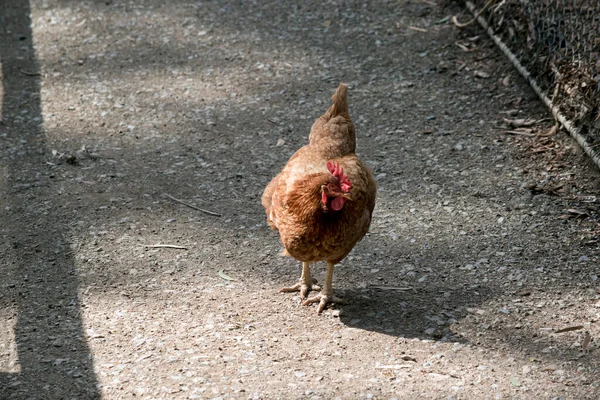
346,196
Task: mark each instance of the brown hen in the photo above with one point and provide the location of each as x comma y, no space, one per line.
322,201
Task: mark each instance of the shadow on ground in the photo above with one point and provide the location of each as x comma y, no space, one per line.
425,313
41,287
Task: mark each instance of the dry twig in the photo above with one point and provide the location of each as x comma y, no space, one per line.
191,206
27,73
520,133
570,328
165,246
391,288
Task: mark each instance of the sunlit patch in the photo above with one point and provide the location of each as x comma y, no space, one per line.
9,361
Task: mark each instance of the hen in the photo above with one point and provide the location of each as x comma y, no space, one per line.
322,201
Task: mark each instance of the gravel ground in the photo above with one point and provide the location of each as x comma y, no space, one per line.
482,249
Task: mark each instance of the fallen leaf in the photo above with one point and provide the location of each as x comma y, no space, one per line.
225,276
506,81
408,358
481,74
326,23
280,142
550,132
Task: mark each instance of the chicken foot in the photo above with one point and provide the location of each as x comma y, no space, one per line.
305,285
326,296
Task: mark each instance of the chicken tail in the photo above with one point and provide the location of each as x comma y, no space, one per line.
340,101
333,132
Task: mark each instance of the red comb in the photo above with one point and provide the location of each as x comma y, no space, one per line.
338,172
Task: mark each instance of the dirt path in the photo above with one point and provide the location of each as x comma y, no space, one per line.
483,245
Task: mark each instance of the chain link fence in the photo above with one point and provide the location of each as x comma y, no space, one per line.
558,42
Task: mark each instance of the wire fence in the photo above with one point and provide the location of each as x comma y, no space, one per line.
558,42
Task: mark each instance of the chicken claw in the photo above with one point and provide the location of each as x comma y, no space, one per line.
323,299
301,287
326,296
305,285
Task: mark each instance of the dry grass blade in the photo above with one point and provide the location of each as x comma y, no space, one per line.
225,276
397,366
414,28
464,48
192,206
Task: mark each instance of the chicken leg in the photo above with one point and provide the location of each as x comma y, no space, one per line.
326,296
305,285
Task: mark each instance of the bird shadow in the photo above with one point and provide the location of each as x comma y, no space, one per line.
407,312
